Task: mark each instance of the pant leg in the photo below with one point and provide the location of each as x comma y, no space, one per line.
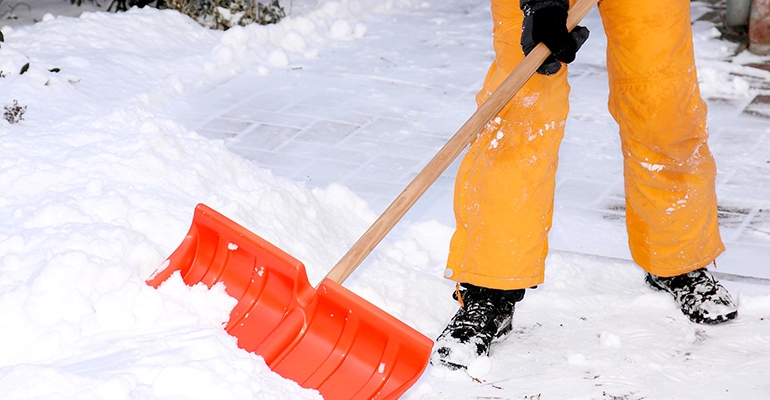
671,208
505,184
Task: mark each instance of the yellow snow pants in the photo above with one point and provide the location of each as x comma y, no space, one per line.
505,184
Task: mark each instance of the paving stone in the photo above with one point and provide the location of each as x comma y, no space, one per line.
759,107
276,118
326,132
264,137
227,125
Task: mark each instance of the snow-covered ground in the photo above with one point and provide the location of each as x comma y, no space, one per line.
100,178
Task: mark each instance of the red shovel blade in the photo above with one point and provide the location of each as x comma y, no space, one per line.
327,339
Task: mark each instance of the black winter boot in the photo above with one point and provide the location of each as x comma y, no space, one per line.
700,296
484,317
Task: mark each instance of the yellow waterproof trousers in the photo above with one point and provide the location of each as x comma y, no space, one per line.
505,185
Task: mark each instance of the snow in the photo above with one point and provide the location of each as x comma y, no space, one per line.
99,185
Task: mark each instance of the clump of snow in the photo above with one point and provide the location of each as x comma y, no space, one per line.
714,81
479,367
342,30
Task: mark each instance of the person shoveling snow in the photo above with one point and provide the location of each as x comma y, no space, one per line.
504,191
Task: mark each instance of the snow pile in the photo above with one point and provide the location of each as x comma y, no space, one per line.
89,210
97,191
295,37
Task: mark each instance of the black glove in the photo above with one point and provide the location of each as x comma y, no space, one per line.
549,26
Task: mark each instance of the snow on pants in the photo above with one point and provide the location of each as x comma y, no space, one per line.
505,184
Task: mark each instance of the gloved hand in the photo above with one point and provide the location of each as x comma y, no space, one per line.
549,25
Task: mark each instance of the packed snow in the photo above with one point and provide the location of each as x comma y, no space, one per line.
99,188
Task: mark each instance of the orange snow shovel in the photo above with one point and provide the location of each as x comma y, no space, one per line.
327,338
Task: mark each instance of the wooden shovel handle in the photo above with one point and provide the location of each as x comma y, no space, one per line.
439,163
